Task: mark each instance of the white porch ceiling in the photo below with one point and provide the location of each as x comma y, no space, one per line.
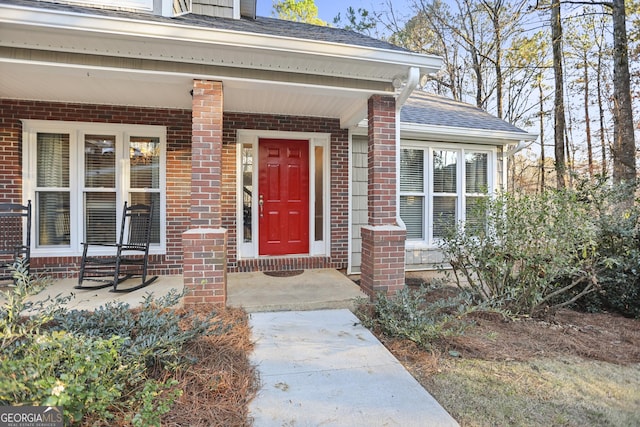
53,82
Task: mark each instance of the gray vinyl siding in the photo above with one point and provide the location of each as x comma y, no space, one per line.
216,8
359,199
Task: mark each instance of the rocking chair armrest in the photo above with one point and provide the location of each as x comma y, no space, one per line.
20,250
132,246
104,245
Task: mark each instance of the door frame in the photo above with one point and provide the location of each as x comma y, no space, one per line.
250,138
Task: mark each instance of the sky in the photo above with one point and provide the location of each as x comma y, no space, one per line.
327,9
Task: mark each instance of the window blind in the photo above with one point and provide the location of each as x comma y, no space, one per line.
52,196
411,170
444,214
476,172
412,214
445,171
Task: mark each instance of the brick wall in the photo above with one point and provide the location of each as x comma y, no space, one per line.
178,123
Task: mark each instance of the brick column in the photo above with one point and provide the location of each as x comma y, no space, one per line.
383,240
205,244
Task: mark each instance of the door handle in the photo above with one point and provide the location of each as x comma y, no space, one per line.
261,204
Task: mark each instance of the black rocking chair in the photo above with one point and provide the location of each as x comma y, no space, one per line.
131,257
15,238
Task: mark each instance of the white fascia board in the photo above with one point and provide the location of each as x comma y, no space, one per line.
463,135
30,16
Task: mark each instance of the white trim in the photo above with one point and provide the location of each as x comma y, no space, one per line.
138,5
419,132
463,135
236,9
76,130
252,137
350,204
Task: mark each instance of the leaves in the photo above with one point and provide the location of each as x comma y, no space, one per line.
529,246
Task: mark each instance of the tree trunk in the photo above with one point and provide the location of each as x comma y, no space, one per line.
603,143
495,11
542,155
587,119
559,119
624,147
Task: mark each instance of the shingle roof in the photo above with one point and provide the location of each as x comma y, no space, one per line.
261,25
427,109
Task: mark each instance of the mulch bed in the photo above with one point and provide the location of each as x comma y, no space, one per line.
598,336
217,389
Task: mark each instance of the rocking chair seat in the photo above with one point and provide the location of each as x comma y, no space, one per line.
131,255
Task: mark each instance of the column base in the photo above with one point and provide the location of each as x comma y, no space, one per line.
205,266
383,252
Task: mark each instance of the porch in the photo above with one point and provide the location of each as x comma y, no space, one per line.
255,291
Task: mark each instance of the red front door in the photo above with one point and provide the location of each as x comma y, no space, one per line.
283,197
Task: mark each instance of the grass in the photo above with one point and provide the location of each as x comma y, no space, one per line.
550,392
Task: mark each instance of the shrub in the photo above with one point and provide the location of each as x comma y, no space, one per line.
101,367
84,375
154,334
534,252
618,237
408,315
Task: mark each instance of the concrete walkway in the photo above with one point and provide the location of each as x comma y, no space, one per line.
322,368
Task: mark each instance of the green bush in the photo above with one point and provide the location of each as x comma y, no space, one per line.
101,367
408,315
535,251
153,334
618,237
84,375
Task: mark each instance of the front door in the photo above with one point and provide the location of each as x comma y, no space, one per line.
283,197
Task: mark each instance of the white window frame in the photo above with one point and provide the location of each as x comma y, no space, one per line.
249,250
429,241
76,132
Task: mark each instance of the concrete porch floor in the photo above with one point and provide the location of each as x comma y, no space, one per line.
311,290
255,292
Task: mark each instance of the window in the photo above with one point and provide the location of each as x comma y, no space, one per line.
441,186
247,192
79,175
412,194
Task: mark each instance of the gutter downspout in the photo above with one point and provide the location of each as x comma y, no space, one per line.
413,79
521,145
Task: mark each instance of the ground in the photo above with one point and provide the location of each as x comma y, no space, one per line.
570,368
218,387
596,336
501,371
